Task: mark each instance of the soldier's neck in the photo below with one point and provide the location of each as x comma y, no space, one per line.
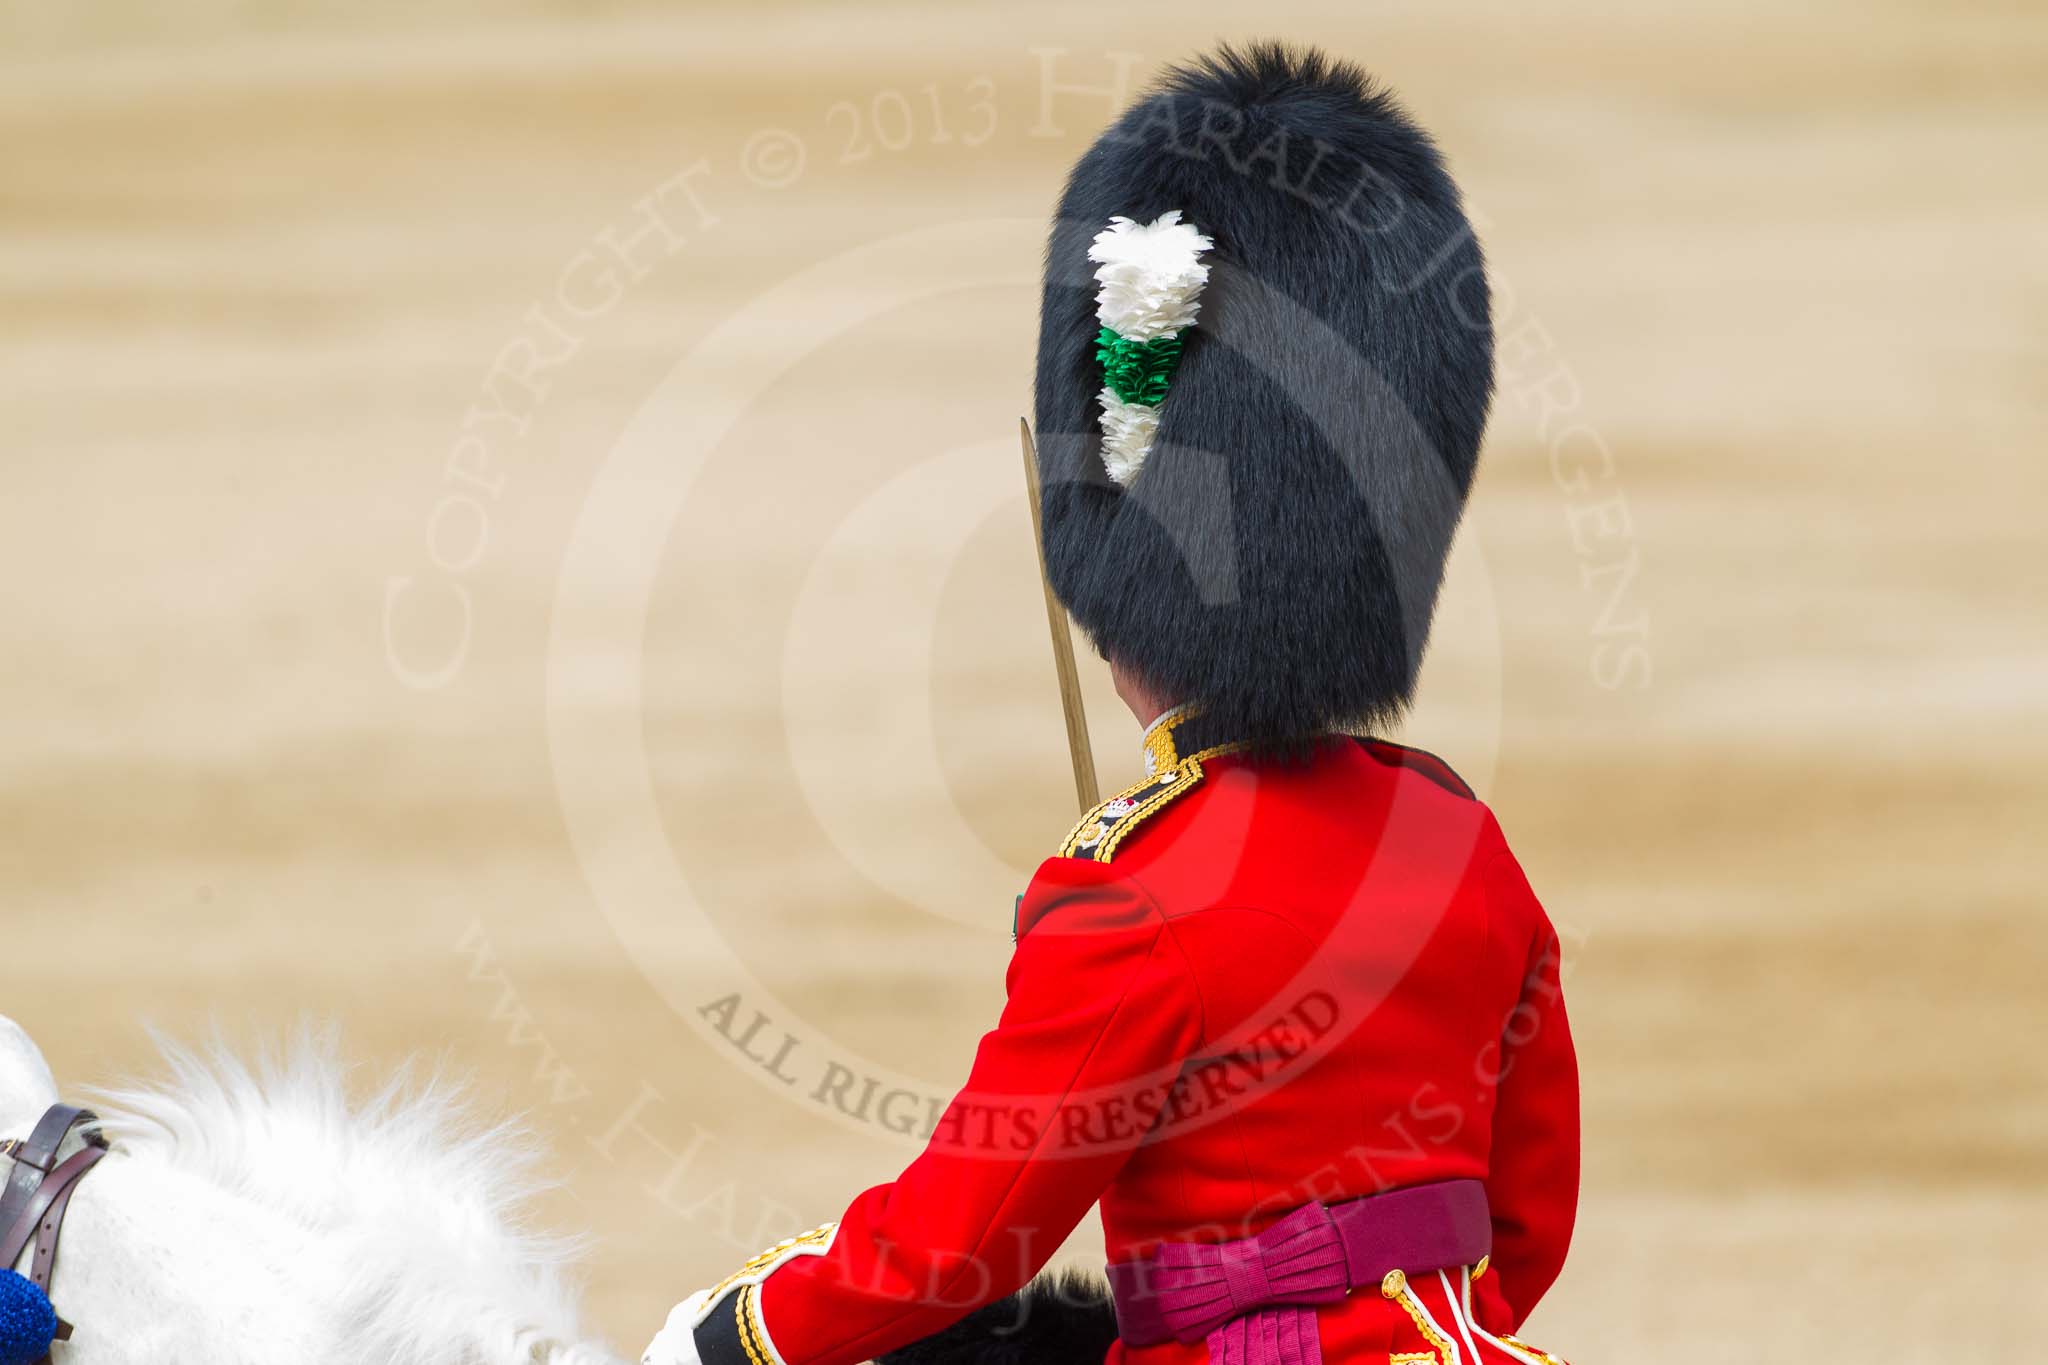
1146,705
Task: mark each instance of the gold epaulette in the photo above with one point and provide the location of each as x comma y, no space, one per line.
1104,828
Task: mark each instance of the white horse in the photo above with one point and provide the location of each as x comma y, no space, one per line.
255,1214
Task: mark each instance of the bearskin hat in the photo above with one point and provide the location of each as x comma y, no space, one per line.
1264,364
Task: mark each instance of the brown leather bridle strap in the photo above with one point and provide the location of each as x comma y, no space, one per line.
43,1215
33,1158
39,1190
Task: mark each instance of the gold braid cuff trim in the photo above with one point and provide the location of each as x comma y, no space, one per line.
746,1307
813,1243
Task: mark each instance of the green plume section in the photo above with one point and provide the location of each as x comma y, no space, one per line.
1137,371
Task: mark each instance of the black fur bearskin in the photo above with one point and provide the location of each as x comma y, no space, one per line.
1279,555
1055,1320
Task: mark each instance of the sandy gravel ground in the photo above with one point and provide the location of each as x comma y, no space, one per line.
510,534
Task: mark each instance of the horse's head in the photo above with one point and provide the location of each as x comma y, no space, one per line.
26,1086
261,1215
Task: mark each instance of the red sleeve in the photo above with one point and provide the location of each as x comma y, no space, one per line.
1101,1013
1533,1176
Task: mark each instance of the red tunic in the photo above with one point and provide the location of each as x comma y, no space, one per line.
1275,984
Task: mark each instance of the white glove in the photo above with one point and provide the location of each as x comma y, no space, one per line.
675,1343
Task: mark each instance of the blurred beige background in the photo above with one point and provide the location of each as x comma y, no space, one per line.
367,657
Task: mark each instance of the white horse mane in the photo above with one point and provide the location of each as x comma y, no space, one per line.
422,1203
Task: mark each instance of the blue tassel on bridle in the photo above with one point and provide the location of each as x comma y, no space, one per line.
27,1322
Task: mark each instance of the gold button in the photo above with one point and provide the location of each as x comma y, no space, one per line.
1392,1286
1480,1269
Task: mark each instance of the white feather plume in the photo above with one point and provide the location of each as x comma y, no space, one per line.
1151,275
1127,432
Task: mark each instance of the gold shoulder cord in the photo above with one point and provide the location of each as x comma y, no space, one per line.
1100,831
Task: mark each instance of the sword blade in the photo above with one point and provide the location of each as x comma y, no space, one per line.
1079,749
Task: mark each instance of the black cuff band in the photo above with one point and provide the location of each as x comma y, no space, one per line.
731,1334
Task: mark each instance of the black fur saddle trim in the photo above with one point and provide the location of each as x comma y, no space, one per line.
1057,1319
